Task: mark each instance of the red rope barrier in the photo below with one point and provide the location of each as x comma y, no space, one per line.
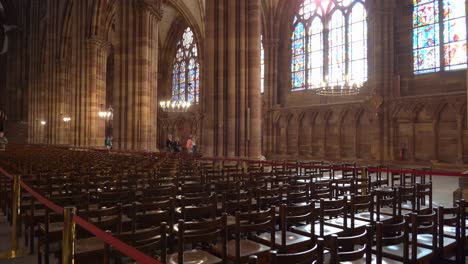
421,172
116,243
8,175
57,209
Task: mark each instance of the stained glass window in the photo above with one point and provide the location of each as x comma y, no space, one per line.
186,70
357,71
439,35
262,67
336,42
298,58
313,62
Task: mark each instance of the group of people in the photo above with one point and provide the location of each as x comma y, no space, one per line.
3,141
175,146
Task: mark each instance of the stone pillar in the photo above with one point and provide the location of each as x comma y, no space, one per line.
381,71
97,51
64,101
135,91
232,126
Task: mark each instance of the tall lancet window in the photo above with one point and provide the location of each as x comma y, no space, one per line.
439,35
186,70
262,67
329,43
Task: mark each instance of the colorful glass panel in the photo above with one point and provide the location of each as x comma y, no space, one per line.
357,72
185,80
427,43
346,51
262,66
315,47
336,42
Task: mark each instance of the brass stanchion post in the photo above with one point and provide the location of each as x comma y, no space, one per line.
15,250
68,242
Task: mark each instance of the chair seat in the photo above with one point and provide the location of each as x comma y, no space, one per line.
53,227
291,239
88,246
327,230
195,257
247,248
450,231
374,260
395,252
425,240
366,216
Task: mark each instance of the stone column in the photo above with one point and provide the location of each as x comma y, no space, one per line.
232,126
381,71
97,50
64,100
135,91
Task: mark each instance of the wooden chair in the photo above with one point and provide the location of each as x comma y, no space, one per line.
211,232
423,191
310,256
362,210
387,203
423,230
289,241
240,248
149,241
449,233
333,216
343,249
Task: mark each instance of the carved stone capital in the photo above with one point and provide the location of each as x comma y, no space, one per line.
154,7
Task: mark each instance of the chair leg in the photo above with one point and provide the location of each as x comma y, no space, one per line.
31,237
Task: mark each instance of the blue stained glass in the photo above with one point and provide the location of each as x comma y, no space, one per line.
427,59
453,9
419,2
455,30
427,36
185,72
425,14
299,32
308,51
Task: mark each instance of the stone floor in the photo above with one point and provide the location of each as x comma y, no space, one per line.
443,188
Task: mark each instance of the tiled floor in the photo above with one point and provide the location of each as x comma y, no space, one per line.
443,188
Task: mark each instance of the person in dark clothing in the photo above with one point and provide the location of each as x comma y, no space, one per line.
169,144
177,145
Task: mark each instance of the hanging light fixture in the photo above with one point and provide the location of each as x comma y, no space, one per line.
338,89
174,106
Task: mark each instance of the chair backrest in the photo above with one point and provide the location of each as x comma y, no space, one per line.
147,240
250,222
195,208
313,255
361,203
202,232
296,214
344,248
332,209
448,217
152,214
423,224
423,190
390,234
386,197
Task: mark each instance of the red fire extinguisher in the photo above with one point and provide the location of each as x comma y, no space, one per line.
402,153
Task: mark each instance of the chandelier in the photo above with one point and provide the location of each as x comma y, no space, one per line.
106,114
174,106
339,88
